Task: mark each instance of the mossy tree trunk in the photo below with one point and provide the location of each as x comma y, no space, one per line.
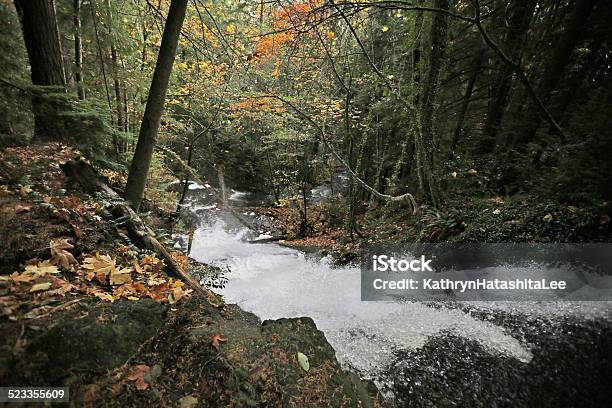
426,144
139,168
41,36
78,49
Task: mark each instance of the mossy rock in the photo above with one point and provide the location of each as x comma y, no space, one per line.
107,335
255,365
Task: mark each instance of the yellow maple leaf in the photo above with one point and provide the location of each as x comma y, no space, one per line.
33,272
120,276
99,263
42,268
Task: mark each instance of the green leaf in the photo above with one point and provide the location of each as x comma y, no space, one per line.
303,360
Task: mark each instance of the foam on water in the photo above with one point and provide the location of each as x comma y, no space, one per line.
272,282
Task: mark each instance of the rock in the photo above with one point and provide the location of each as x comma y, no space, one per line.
102,340
256,366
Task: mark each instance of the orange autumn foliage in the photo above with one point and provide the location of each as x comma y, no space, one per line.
287,24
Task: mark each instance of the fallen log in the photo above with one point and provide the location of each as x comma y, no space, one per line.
141,235
271,239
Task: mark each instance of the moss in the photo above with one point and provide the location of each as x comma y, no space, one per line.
103,339
255,366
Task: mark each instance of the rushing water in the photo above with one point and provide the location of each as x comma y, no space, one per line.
273,281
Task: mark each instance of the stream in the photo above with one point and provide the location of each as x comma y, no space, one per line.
272,281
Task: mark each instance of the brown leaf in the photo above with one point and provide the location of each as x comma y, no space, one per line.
105,296
216,339
22,208
103,264
25,190
59,254
137,375
63,259
62,290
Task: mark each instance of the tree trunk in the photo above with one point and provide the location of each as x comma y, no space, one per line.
477,64
39,25
139,168
426,141
222,188
115,68
303,230
578,78
574,26
78,50
94,18
522,12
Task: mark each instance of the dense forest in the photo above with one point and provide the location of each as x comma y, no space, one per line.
422,121
421,105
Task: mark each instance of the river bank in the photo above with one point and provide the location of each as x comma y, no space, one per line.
83,307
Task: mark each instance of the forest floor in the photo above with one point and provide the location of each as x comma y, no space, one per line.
81,306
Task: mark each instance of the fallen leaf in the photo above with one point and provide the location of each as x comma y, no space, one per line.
105,296
40,287
547,218
25,190
42,268
179,293
99,263
498,200
303,361
33,272
102,266
120,276
137,375
62,290
188,401
216,339
59,254
22,208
